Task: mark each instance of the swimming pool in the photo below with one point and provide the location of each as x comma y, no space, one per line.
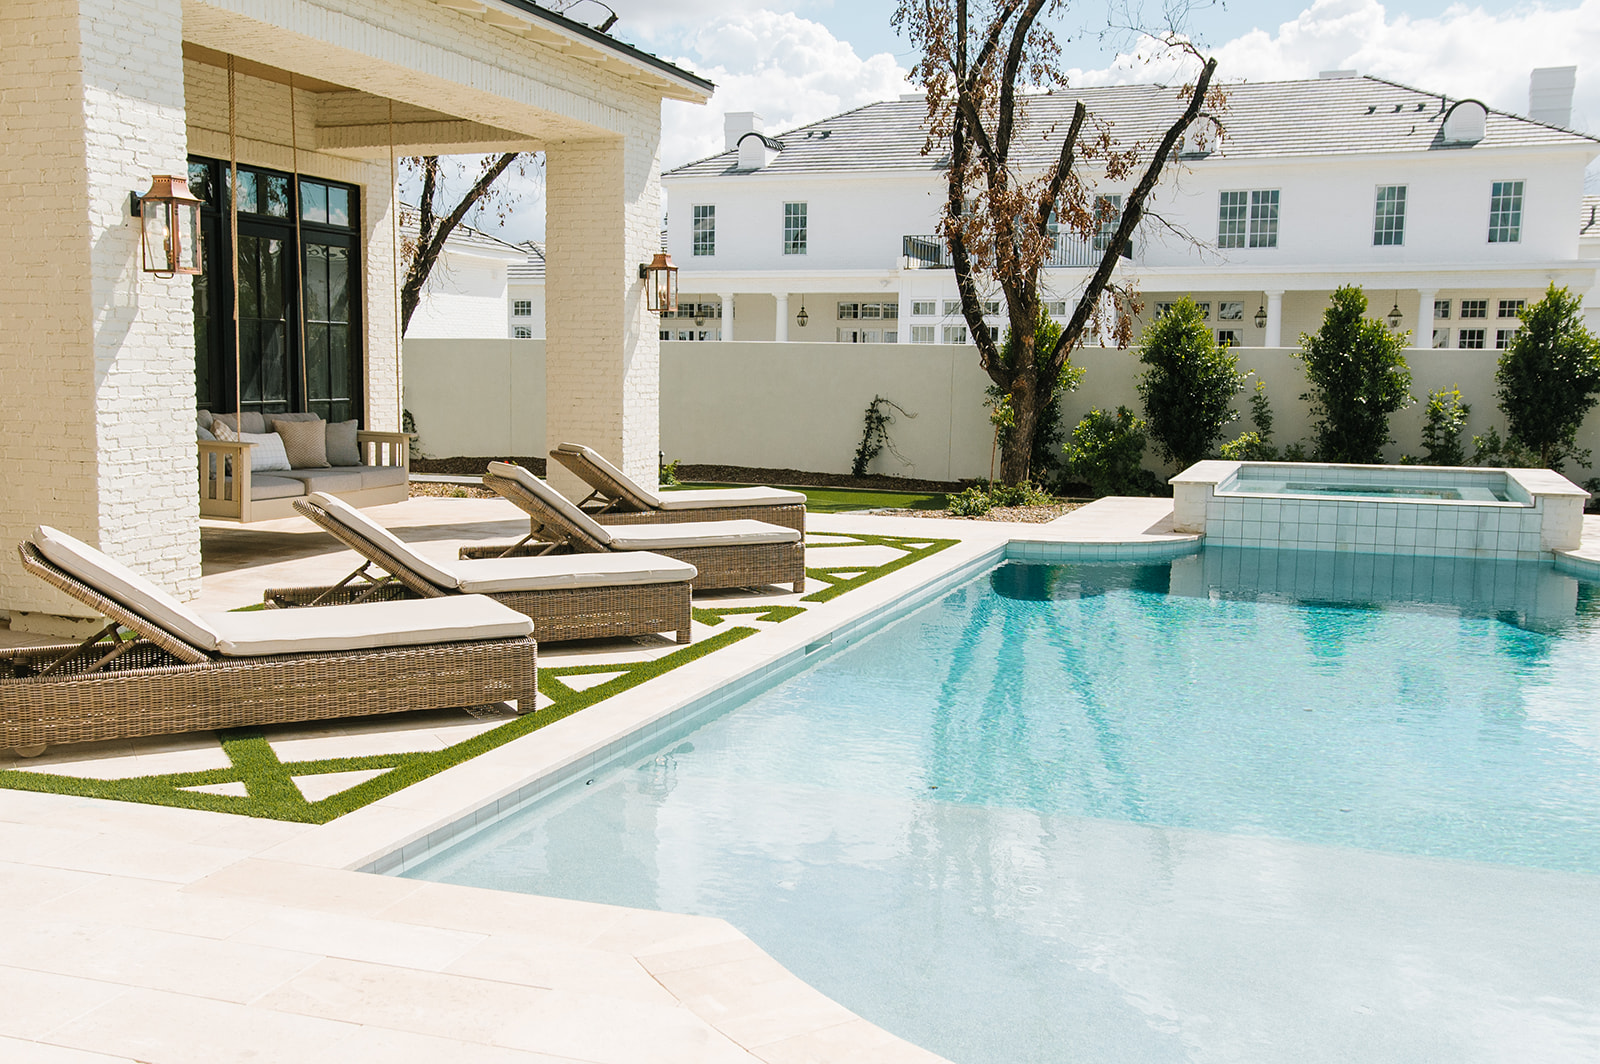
1242,805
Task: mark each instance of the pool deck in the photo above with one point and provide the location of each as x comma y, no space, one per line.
173,936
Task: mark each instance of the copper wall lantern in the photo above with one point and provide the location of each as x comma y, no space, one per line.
661,283
169,220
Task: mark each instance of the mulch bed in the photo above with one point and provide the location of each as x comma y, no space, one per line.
1033,515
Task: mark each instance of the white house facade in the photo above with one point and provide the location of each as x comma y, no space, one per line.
1455,213
467,290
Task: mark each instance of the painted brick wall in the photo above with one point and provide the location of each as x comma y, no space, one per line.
95,442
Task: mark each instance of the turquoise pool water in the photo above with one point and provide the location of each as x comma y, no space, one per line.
1244,805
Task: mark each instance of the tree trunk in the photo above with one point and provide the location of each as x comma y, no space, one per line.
1016,456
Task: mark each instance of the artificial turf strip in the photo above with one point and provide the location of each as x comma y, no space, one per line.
715,615
838,583
272,793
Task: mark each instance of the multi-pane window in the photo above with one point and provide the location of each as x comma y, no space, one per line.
1474,308
1248,219
794,228
521,332
1232,219
1502,338
1230,311
1472,338
1441,338
952,306
994,331
1512,308
1389,216
1107,216
923,334
1441,308
955,334
1264,219
991,307
1228,338
924,307
1505,212
1205,309
869,310
1056,308
522,308
705,229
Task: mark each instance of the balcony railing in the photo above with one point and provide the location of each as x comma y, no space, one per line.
930,253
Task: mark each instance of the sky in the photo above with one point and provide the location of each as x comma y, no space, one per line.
821,57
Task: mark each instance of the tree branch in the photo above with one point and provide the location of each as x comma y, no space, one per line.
1069,147
1008,79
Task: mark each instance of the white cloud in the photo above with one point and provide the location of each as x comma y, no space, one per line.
1465,51
787,69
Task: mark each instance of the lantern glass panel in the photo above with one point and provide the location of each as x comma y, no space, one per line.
156,218
189,244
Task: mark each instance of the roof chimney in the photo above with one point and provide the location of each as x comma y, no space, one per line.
736,124
1550,95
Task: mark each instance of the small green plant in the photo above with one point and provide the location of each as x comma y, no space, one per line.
1490,450
1549,379
1106,451
1357,376
973,502
1445,421
1255,445
408,423
875,434
668,476
458,493
1189,388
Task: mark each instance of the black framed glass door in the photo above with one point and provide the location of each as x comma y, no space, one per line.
299,336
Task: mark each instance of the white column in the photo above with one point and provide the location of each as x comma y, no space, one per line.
602,348
1274,337
781,331
96,356
727,315
1424,334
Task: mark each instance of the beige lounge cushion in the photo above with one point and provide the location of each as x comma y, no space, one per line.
116,581
382,476
344,448
305,442
553,499
489,576
331,479
363,526
253,421
709,497
642,495
365,625
266,486
699,534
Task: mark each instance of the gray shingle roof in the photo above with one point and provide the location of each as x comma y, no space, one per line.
1589,217
1332,116
532,271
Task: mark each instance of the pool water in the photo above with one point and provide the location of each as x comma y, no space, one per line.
1418,492
1244,805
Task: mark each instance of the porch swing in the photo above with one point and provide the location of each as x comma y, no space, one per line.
248,469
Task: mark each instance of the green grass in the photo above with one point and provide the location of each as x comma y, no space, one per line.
838,500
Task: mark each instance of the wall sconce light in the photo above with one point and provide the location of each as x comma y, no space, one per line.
802,317
1261,317
169,222
661,283
1394,313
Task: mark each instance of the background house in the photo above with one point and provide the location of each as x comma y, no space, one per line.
1453,212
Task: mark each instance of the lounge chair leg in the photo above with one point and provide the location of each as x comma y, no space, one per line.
799,585
683,635
29,751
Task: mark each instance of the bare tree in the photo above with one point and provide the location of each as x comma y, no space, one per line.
436,216
981,61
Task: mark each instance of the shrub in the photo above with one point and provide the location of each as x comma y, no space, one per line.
1358,377
1255,445
1490,450
973,502
1105,452
668,475
1441,432
983,497
1549,378
1189,389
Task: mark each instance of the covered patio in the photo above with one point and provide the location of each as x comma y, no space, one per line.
313,101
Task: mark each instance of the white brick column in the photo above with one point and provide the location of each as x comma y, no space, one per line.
1423,337
780,331
727,315
1274,336
97,357
602,352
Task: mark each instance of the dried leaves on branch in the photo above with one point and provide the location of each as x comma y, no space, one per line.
441,208
984,64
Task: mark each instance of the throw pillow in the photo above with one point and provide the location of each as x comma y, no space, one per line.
343,450
224,431
203,433
305,443
267,456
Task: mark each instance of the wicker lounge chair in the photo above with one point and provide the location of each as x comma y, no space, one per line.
159,668
727,553
619,500
569,596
